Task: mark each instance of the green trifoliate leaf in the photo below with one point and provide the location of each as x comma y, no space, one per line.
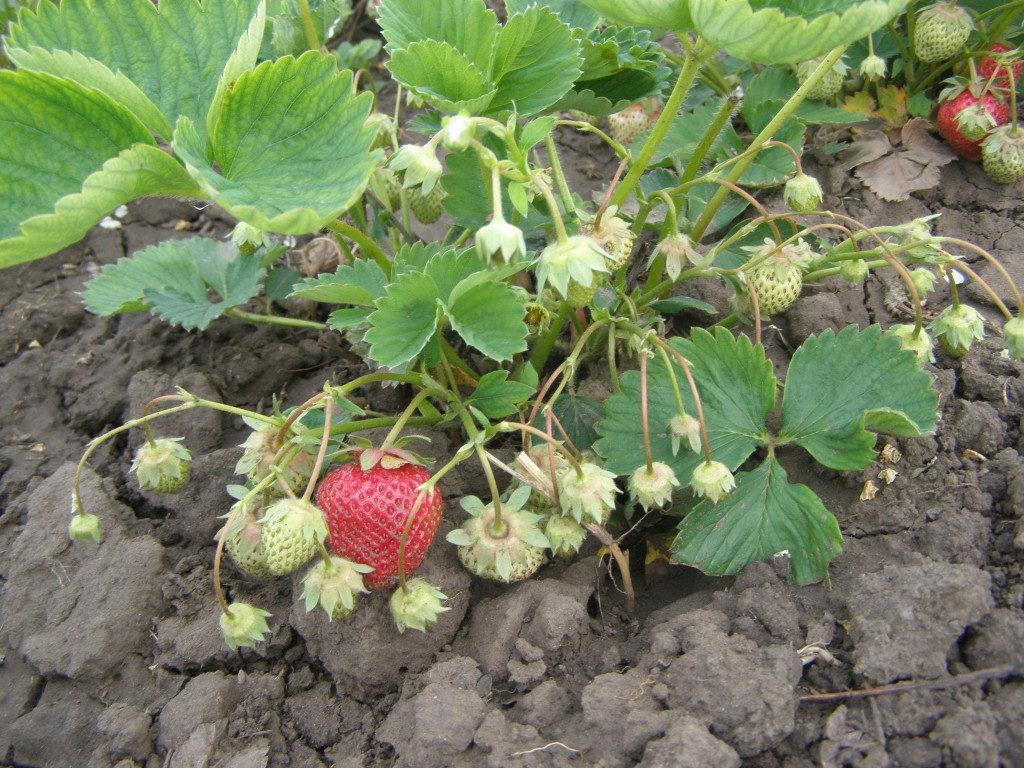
360,283
764,516
85,527
495,396
466,25
417,606
1013,335
841,385
289,149
657,14
737,389
438,73
489,316
58,183
159,61
244,625
405,320
787,31
175,279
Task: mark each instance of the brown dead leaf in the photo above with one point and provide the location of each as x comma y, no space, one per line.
919,144
894,177
871,145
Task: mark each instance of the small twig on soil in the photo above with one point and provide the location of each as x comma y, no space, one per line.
546,746
927,685
621,559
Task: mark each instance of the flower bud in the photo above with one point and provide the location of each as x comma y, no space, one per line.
420,164
500,238
85,527
1013,335
712,480
803,193
458,131
417,606
577,258
652,488
244,625
248,239
678,250
854,270
683,426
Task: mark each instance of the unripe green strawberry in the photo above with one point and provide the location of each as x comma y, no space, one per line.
261,449
386,185
803,193
626,126
565,534
957,328
243,543
854,270
580,296
614,236
777,286
1002,155
941,31
1013,336
427,208
509,552
912,340
162,466
829,85
291,531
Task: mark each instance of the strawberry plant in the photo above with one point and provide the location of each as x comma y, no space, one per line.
490,328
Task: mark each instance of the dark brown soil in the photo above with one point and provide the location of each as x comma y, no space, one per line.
112,655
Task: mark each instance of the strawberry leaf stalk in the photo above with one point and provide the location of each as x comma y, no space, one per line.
508,548
417,605
162,465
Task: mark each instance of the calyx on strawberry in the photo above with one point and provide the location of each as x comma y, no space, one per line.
613,235
652,488
957,327
1002,155
293,529
334,585
261,450
367,502
997,68
163,465
777,275
960,97
417,606
510,550
912,340
244,625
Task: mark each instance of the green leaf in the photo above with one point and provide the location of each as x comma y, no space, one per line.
287,36
161,60
349,317
289,150
575,13
437,72
536,62
841,385
405,320
413,257
764,516
57,183
450,267
495,396
773,164
737,389
360,283
490,318
579,416
280,283
658,14
174,279
534,132
686,131
768,90
467,25
785,31
697,200
468,200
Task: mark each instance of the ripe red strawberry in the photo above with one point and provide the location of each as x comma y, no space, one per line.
949,127
987,67
366,510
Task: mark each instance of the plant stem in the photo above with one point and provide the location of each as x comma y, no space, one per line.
725,111
410,409
532,430
308,26
645,424
363,240
783,115
542,347
287,322
559,175
621,559
691,66
556,215
325,438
